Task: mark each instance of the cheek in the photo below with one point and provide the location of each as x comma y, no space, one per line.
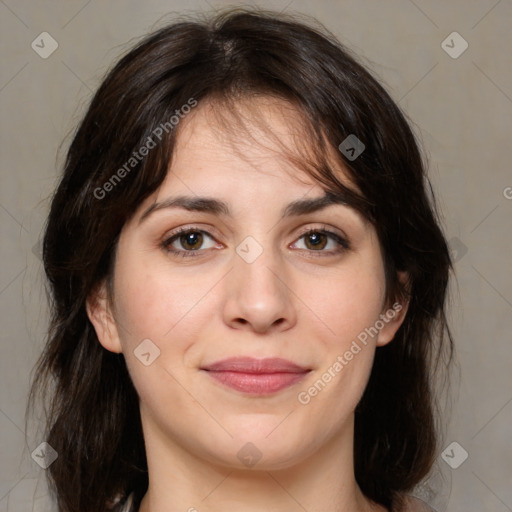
151,300
167,308
349,302
149,307
143,307
347,354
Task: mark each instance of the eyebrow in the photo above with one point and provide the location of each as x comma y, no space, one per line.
221,208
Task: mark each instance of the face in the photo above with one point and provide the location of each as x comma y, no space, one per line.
195,287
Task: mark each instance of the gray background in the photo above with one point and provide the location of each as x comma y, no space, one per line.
461,108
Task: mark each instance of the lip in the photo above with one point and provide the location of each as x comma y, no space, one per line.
256,376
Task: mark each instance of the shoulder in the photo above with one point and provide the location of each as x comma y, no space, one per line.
412,504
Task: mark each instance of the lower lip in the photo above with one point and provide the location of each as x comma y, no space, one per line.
257,383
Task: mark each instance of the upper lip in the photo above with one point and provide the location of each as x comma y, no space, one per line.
252,365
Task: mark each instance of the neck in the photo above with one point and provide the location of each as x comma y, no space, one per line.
181,481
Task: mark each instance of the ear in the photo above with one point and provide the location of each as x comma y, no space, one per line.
393,316
100,315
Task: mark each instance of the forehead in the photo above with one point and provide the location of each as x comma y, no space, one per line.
249,154
261,135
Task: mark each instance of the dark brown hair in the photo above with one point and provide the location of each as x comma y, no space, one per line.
93,418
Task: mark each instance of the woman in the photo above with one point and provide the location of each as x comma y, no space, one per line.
247,280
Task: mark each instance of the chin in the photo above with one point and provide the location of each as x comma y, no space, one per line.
261,453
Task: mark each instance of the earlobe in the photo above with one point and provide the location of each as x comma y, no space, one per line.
394,316
100,315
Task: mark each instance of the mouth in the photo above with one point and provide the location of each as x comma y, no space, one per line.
256,376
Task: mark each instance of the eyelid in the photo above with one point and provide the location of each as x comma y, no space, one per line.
339,238
335,233
171,237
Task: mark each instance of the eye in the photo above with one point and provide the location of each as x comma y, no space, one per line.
316,240
190,240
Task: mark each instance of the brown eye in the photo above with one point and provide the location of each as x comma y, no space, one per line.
316,240
188,242
192,240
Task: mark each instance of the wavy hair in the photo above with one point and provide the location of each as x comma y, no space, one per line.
92,409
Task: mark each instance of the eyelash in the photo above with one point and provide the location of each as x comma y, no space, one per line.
342,242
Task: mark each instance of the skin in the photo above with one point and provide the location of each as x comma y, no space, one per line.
295,301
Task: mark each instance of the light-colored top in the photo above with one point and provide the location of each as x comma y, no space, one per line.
412,504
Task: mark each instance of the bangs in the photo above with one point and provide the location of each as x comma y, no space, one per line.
240,122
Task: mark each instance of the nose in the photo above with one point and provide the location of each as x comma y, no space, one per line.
258,296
